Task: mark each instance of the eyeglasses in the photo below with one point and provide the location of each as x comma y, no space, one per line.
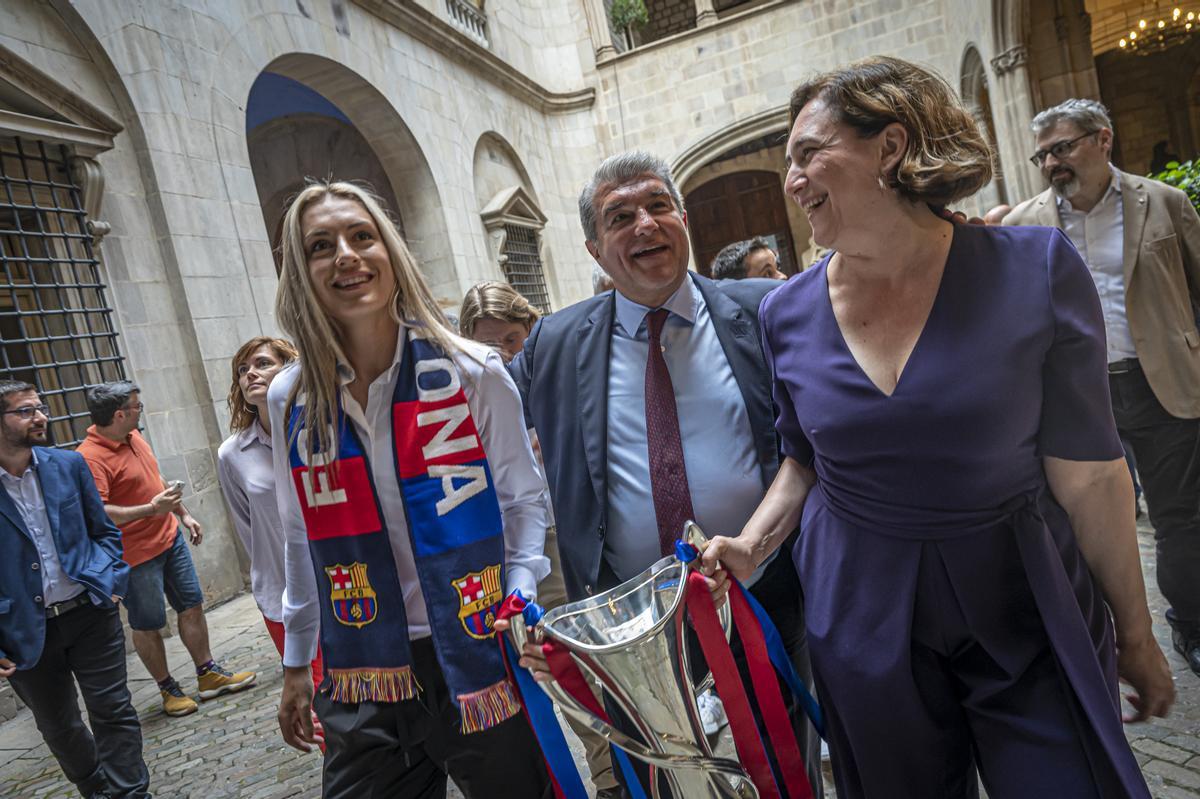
1059,150
137,407
29,410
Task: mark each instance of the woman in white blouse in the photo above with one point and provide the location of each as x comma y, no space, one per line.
246,473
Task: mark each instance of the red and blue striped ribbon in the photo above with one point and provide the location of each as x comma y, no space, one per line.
539,710
763,650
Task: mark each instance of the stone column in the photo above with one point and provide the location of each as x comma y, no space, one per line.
597,16
706,13
1022,179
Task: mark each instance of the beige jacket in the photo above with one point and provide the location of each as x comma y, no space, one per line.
1162,283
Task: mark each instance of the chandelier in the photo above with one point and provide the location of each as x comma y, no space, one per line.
1159,31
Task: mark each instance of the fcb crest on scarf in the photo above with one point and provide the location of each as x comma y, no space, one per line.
352,596
480,594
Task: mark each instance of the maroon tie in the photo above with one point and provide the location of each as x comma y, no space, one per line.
668,478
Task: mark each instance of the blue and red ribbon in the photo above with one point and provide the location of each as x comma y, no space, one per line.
764,649
538,709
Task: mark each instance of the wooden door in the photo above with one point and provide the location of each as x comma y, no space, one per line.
735,207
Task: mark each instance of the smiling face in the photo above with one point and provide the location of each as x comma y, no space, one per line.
348,263
641,239
507,338
256,372
1085,165
834,174
20,432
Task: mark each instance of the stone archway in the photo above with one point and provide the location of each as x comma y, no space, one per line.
409,179
288,151
977,95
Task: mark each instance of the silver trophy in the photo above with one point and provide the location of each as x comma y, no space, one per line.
631,641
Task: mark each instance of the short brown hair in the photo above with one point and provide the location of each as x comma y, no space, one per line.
492,299
10,387
241,413
948,156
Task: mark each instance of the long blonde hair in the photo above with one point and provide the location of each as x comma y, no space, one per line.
299,312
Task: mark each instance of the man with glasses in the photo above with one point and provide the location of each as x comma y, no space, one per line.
62,577
1141,241
150,513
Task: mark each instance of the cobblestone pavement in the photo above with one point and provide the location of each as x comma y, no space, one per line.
232,748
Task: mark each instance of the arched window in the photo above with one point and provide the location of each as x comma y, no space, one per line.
514,224
978,99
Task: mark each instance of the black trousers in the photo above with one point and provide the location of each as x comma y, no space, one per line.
87,642
778,591
1167,451
405,750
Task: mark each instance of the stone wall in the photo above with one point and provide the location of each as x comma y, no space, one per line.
668,95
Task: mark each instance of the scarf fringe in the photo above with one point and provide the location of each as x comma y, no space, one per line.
372,685
489,707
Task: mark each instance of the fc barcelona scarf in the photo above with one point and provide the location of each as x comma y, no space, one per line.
455,527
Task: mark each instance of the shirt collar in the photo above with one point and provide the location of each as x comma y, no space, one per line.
252,435
33,464
345,371
103,441
684,303
1114,187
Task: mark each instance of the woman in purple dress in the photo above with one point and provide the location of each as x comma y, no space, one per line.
966,515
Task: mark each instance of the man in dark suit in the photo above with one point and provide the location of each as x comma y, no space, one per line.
62,573
652,403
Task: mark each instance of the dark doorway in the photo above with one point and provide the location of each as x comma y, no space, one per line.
735,207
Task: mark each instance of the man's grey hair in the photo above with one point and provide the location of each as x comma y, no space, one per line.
600,280
618,169
1089,115
105,399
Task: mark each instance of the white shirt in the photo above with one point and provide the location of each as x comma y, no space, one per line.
1099,235
26,493
719,456
246,471
496,410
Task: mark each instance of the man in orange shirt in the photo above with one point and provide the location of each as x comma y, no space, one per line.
139,502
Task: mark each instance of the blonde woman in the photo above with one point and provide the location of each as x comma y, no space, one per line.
402,535
246,473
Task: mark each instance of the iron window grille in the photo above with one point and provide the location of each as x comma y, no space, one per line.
56,328
522,264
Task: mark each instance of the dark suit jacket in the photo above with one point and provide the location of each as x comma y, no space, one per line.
563,378
88,543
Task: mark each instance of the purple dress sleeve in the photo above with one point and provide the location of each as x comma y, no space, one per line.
1077,421
792,440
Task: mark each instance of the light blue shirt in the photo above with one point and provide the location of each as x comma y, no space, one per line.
26,493
718,447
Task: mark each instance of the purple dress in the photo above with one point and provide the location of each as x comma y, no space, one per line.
951,618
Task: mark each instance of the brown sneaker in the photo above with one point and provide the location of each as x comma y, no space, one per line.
176,702
217,681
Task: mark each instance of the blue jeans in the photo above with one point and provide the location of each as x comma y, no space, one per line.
171,572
